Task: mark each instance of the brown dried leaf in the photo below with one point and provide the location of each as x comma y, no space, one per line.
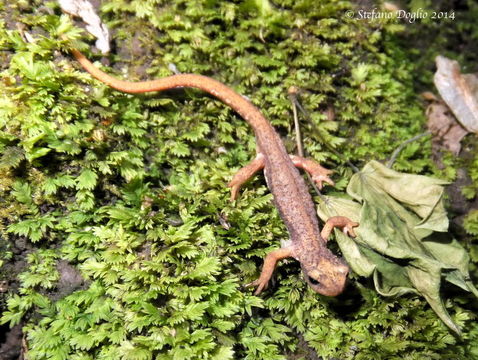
429,96
458,91
443,125
472,81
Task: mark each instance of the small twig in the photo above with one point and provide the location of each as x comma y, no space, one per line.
301,108
298,138
296,104
402,146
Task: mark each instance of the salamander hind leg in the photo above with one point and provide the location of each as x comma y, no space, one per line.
319,174
245,174
341,222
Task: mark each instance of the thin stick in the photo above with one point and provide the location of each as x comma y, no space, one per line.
402,146
296,103
298,138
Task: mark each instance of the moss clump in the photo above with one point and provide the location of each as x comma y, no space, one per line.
131,189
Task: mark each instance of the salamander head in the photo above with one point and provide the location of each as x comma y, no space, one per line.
328,277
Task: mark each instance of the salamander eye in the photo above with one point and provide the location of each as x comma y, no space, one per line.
314,281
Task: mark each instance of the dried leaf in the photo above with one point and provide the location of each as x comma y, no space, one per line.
458,91
84,10
447,132
402,240
429,96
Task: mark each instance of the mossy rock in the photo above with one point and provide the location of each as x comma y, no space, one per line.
129,191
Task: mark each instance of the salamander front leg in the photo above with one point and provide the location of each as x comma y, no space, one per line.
268,268
245,174
341,222
319,174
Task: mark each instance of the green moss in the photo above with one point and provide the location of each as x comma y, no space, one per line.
131,189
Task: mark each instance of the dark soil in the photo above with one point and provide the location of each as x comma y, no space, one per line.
11,342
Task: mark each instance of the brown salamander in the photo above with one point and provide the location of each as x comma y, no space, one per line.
323,271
